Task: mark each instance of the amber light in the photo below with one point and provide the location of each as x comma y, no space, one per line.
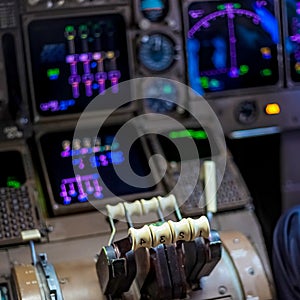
272,109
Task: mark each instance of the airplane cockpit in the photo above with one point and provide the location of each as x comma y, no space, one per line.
149,149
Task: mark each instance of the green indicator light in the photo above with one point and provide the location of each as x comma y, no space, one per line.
237,5
11,182
198,134
244,69
204,82
190,133
179,134
167,89
84,33
69,28
221,7
53,73
266,72
214,83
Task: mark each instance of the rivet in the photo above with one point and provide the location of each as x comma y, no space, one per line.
222,290
251,271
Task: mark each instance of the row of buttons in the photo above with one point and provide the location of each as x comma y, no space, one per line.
16,213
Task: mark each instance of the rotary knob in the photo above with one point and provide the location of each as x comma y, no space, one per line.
246,112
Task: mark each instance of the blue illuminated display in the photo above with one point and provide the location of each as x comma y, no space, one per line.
232,45
193,47
55,105
154,10
292,38
152,4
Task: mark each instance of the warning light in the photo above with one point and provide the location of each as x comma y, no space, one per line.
266,52
297,67
272,109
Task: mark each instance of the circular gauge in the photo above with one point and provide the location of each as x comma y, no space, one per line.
156,52
161,96
154,10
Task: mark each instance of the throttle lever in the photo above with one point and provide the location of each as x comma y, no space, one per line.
116,268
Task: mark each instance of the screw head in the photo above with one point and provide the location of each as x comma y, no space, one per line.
222,290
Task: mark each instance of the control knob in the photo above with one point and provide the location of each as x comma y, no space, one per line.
246,112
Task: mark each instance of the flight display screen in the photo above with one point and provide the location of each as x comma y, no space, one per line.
12,169
232,45
76,59
292,41
82,169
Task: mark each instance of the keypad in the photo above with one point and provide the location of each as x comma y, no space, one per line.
16,214
7,14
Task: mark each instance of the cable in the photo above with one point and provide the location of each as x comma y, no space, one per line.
286,255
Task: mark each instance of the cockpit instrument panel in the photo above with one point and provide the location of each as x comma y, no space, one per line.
154,10
88,169
232,45
156,52
13,173
75,61
292,39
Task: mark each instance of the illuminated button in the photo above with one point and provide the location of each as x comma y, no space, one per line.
266,52
272,109
110,54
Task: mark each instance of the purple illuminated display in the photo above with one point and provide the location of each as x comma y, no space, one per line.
57,105
86,168
85,185
79,58
80,187
296,37
230,12
88,58
196,13
292,40
232,45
